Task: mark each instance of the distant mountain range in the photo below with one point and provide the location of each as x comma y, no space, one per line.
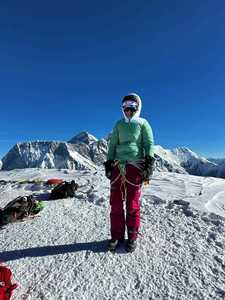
84,151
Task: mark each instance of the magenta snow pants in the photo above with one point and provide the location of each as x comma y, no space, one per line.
125,192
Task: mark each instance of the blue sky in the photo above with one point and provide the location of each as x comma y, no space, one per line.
65,65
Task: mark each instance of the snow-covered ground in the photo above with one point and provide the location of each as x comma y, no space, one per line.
61,253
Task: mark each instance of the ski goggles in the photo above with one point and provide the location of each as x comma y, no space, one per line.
132,109
130,105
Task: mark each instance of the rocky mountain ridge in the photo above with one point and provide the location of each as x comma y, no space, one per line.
84,151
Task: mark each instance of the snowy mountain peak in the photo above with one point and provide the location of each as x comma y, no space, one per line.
193,163
185,154
45,154
83,137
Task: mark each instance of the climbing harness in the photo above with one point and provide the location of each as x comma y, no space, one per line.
124,180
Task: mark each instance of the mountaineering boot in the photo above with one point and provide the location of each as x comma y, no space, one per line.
113,244
131,245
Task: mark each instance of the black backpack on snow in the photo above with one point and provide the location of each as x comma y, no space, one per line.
64,190
19,208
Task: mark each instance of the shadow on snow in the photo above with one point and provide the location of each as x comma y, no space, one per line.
96,247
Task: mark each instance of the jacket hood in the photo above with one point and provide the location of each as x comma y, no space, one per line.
136,116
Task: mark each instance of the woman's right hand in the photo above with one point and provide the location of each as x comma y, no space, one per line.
109,164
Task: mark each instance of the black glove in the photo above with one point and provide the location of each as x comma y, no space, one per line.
148,168
109,164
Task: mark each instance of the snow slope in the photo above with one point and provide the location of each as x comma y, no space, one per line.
83,137
61,254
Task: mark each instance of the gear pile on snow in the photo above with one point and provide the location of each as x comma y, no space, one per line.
6,286
20,208
64,190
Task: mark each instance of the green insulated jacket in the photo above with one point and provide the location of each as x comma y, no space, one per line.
131,140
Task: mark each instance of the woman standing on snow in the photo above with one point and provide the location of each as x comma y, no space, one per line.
129,163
